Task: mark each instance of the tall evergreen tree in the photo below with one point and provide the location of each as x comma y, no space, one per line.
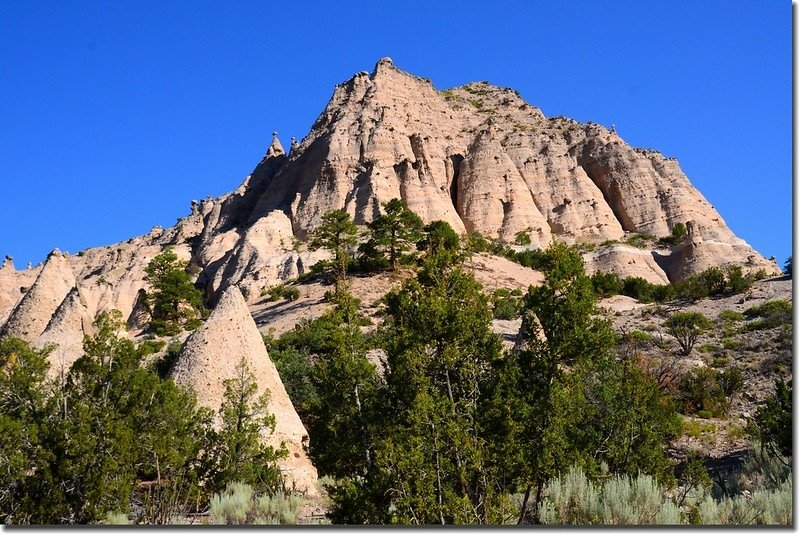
239,451
339,235
174,302
430,462
577,402
346,383
396,230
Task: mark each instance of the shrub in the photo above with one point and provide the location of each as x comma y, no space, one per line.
769,315
281,291
714,281
640,336
477,243
731,315
763,507
677,235
686,327
621,500
522,238
737,282
773,420
787,267
640,241
638,288
238,505
506,309
706,390
606,284
117,519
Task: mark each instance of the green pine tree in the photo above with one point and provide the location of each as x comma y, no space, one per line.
396,231
174,302
339,235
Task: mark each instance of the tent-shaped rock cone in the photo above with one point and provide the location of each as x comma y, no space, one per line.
211,355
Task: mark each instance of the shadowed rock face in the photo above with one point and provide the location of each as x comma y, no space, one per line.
211,355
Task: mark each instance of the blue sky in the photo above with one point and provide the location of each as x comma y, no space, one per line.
115,115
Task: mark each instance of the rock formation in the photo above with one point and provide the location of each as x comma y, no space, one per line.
476,156
66,330
34,311
211,355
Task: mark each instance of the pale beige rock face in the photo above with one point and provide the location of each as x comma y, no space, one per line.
476,156
66,330
625,261
494,199
32,314
13,285
698,254
211,355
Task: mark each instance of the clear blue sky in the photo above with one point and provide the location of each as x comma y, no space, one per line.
114,115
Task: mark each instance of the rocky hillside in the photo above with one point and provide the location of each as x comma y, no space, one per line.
476,156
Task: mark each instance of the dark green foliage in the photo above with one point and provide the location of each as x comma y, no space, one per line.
710,283
112,435
787,267
773,420
164,364
769,315
395,231
576,402
370,258
505,306
24,411
431,462
731,316
708,389
606,284
324,367
713,280
338,234
294,367
638,288
477,243
686,327
640,241
679,233
174,303
737,282
522,238
281,291
439,236
345,383
113,423
238,452
319,270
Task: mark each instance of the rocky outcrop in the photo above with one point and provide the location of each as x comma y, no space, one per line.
476,156
211,355
494,199
13,286
32,314
626,261
70,323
